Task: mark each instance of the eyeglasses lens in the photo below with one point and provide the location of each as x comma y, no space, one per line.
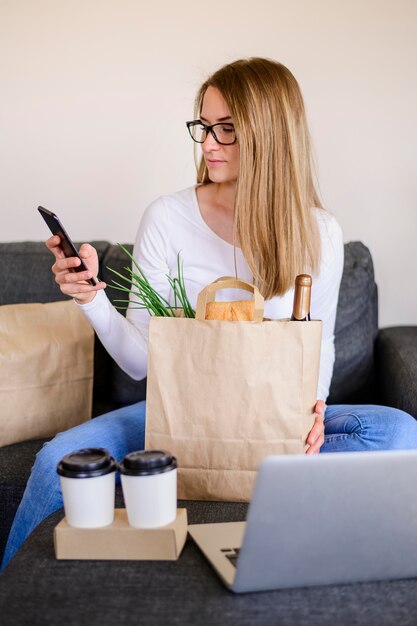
198,133
225,133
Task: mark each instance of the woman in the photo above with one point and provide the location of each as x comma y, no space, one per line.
254,212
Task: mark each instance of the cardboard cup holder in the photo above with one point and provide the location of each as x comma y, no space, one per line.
120,541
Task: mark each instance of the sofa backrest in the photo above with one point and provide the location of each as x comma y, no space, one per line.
25,270
355,332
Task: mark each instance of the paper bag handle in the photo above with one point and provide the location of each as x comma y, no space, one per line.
208,294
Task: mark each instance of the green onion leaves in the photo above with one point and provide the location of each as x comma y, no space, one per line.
146,296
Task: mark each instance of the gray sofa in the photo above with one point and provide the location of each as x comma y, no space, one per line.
372,365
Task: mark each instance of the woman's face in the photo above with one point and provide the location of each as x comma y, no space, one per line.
222,161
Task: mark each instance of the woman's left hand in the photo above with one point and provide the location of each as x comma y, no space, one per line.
315,438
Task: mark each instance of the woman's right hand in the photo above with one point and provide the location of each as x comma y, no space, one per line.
71,283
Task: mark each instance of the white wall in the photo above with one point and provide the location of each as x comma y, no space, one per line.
94,95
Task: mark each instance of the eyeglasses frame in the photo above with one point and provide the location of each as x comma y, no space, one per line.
209,129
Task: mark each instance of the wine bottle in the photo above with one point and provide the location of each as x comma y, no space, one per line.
302,298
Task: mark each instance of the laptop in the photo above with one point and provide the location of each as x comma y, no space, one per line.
320,520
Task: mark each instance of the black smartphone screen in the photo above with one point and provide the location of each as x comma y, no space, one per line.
67,245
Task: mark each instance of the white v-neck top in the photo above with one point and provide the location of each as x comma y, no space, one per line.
174,224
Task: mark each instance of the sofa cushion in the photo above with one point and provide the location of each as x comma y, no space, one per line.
356,329
16,461
38,589
124,390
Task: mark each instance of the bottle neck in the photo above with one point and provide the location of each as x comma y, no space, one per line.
302,298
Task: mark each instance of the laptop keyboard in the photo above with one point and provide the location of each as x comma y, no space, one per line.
232,554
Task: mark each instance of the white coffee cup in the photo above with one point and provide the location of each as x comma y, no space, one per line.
88,487
149,483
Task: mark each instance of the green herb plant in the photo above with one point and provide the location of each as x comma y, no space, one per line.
146,296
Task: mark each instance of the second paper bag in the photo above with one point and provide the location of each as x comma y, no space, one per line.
222,395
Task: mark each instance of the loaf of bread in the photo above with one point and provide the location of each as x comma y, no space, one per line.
237,311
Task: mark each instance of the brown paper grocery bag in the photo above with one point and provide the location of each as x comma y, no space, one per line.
222,395
46,367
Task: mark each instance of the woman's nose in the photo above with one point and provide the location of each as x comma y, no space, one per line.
210,143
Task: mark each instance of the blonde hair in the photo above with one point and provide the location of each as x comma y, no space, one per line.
273,219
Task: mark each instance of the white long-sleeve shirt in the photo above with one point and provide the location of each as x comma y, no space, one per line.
173,224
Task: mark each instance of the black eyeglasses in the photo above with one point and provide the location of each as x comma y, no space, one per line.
224,134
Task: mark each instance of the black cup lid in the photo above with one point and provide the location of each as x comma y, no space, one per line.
86,463
147,462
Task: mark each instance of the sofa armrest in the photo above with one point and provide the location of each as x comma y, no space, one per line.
396,367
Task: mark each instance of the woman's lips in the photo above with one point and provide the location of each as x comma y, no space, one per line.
214,162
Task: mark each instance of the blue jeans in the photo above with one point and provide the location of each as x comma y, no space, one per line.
347,428
356,428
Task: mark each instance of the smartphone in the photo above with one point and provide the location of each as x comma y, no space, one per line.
67,246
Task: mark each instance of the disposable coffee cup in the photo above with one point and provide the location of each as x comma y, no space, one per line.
88,487
149,483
